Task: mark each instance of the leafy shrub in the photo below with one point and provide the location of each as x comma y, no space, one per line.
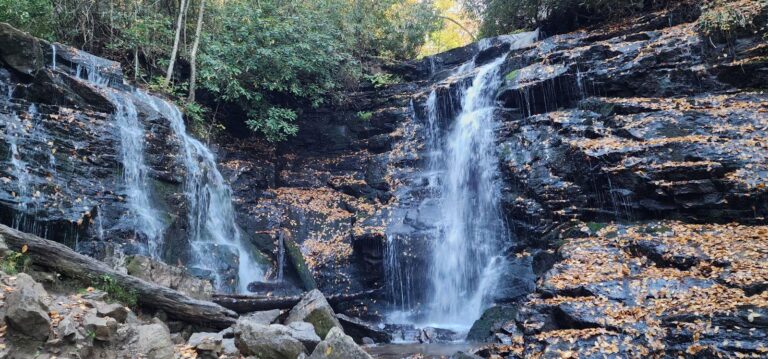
15,262
365,115
115,291
382,79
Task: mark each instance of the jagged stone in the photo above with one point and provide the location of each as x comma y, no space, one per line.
113,310
305,333
26,311
314,309
267,341
153,341
338,345
102,329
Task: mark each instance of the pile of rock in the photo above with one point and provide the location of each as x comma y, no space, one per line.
310,328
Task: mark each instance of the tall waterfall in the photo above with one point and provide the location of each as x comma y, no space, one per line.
467,256
143,217
211,216
213,232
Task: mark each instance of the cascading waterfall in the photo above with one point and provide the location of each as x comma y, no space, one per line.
211,214
463,163
14,130
143,215
472,227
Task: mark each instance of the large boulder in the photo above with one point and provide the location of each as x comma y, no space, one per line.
314,309
338,345
267,341
264,317
153,341
25,309
305,333
20,51
492,319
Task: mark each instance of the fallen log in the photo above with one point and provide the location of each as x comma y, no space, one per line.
60,258
242,303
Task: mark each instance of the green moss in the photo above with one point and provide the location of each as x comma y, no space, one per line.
322,322
512,75
299,265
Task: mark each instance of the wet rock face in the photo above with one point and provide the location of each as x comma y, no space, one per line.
659,288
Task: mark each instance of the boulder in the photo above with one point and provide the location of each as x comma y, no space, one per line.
153,341
266,341
25,309
207,345
314,309
265,317
491,320
102,329
20,51
113,310
359,330
67,330
229,348
305,333
338,345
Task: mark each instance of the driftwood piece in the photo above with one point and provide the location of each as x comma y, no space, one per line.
60,258
250,303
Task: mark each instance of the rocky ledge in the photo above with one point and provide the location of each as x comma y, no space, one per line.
660,289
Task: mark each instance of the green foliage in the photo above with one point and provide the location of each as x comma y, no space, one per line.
365,115
507,16
115,291
15,262
34,16
382,79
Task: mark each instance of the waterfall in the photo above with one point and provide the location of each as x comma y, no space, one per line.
213,231
467,256
14,130
53,57
143,216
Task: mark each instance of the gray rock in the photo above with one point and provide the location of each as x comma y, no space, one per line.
102,329
207,345
338,345
305,333
20,51
154,341
359,329
266,341
67,330
115,310
205,341
229,348
368,341
266,317
25,309
314,309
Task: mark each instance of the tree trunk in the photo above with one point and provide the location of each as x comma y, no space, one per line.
175,50
243,303
193,54
61,259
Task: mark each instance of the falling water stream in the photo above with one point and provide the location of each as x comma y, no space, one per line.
213,233
463,177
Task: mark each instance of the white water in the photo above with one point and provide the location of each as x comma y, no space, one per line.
211,214
14,130
466,259
143,216
53,57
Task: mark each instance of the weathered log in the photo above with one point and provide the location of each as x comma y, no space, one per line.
60,258
242,303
